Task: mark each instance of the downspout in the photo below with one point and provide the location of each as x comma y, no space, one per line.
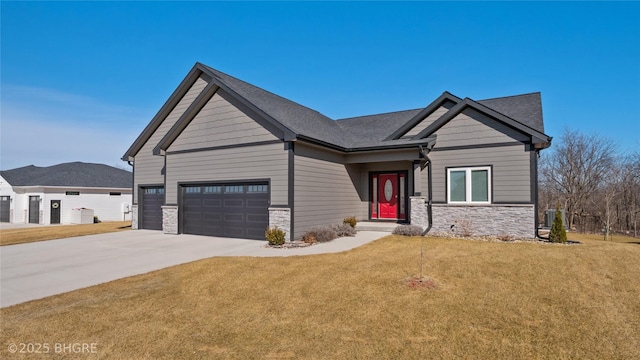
535,196
429,202
429,196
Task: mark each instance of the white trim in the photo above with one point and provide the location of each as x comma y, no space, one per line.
468,195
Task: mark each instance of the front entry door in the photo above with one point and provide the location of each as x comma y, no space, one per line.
388,196
55,211
5,209
34,209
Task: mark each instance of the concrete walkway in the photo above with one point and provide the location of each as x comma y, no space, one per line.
37,270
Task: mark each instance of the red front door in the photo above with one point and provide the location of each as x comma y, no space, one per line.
388,196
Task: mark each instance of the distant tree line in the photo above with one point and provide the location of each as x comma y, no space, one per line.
596,185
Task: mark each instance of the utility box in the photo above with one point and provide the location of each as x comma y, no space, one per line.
82,216
550,215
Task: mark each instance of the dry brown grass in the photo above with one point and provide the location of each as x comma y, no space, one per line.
619,238
41,233
492,301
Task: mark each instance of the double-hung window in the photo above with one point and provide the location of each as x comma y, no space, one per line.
470,185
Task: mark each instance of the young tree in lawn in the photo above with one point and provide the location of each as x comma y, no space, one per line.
558,233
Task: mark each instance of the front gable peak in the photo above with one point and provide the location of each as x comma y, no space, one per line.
427,115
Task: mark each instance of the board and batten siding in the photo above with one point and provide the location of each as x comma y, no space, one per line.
325,191
148,167
511,173
269,161
219,123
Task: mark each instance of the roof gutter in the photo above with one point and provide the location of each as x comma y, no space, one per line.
58,187
428,142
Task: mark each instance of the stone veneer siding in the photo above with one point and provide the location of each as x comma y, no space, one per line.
281,217
170,219
134,217
481,220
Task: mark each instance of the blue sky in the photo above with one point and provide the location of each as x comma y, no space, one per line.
80,80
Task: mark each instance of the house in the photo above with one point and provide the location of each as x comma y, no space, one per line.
223,157
55,194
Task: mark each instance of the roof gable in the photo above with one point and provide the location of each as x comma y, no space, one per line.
164,111
445,99
73,174
220,123
536,136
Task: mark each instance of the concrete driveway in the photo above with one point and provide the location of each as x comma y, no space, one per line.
36,270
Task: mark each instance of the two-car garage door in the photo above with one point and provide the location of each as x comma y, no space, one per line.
233,209
238,209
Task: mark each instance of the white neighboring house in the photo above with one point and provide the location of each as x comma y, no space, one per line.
54,194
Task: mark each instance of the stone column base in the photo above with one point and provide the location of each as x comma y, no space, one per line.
418,211
134,217
170,219
281,217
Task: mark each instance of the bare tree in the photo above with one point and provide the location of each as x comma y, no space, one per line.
604,199
577,168
628,204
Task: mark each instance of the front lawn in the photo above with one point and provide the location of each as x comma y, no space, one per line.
491,301
42,233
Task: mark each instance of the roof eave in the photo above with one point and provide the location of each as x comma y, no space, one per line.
429,142
29,187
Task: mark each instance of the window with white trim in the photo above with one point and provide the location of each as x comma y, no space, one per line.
471,185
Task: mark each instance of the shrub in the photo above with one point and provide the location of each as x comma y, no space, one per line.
351,220
407,230
465,228
324,233
344,230
275,235
309,237
557,233
505,237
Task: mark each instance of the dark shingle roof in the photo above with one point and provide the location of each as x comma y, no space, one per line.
525,108
298,118
73,174
372,129
358,133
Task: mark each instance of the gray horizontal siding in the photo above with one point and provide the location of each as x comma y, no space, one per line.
325,192
474,128
242,163
148,167
219,123
511,174
426,122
